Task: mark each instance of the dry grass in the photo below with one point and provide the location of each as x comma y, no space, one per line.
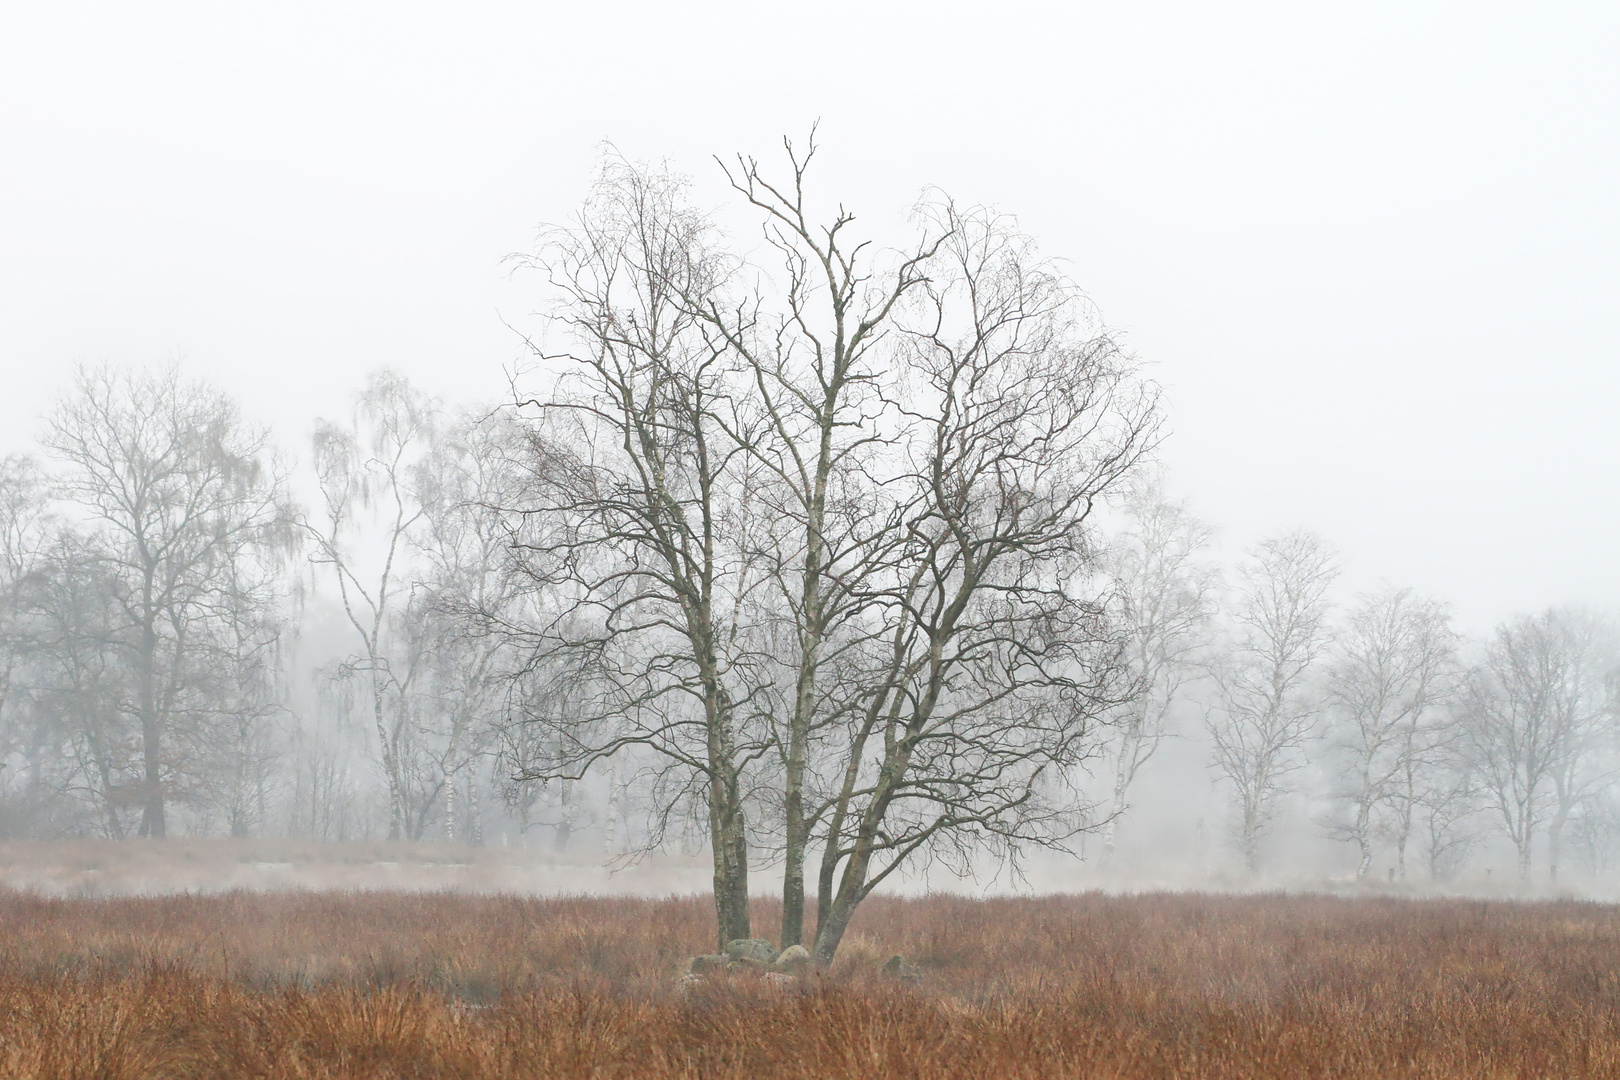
412,985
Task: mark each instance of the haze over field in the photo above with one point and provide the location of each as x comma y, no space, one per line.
1314,306
1370,249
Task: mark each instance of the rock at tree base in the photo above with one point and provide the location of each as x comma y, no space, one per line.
751,949
794,960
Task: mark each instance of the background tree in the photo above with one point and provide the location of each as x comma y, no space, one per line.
1387,688
464,599
1584,764
181,493
372,479
1162,602
25,736
1449,802
1266,707
1534,718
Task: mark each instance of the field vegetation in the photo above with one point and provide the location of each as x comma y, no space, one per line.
1159,985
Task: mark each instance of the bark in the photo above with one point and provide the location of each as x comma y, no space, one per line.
1555,841
153,824
727,822
390,763
1117,807
449,807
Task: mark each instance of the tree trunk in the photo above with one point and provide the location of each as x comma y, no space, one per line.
449,807
610,830
1363,840
730,863
1111,829
1251,834
795,838
835,915
396,798
153,823
565,824
1555,842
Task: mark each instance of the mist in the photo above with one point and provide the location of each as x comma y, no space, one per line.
1323,498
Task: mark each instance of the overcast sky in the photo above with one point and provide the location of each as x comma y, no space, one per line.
1372,250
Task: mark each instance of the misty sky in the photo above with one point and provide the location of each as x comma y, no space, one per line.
1373,250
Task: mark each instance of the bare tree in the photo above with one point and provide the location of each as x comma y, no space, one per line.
1387,684
825,547
239,693
1584,762
816,416
181,491
25,533
637,548
86,745
992,662
1163,599
1595,830
1266,706
1449,800
372,504
473,474
1534,717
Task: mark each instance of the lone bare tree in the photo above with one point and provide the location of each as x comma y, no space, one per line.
1266,707
826,545
182,492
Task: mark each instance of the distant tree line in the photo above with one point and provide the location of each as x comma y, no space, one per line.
837,555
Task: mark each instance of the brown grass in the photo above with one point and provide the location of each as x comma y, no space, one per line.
436,985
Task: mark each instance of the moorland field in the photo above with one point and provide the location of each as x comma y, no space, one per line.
393,984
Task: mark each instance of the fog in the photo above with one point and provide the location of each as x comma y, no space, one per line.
1365,256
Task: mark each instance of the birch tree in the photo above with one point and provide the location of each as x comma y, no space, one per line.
636,503
1388,683
1536,718
371,478
1163,600
993,663
1538,722
1266,706
825,544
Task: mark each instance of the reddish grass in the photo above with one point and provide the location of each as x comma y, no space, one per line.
396,985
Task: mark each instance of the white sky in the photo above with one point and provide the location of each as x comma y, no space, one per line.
1372,249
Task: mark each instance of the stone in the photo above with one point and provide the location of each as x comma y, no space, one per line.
751,949
794,960
747,965
707,964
